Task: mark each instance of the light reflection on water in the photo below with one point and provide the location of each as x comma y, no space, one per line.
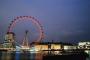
20,56
89,56
17,55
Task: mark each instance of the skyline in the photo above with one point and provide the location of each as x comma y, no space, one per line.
62,20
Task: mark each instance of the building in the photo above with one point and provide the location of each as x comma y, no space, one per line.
68,46
47,47
84,45
9,41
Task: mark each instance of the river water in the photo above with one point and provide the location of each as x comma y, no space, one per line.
22,56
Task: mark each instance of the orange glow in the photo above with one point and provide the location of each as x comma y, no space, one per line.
55,46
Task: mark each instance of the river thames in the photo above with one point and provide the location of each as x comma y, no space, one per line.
20,56
25,56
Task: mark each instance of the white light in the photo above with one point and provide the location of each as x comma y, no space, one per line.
33,50
87,51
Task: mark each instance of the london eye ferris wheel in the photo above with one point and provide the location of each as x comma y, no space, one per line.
31,20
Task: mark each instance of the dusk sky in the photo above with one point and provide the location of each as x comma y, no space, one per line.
62,20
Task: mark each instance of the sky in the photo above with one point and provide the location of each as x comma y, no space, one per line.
62,20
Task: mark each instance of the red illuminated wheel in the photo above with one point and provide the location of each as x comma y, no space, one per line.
34,21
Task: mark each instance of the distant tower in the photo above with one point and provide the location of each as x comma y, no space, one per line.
9,40
25,43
